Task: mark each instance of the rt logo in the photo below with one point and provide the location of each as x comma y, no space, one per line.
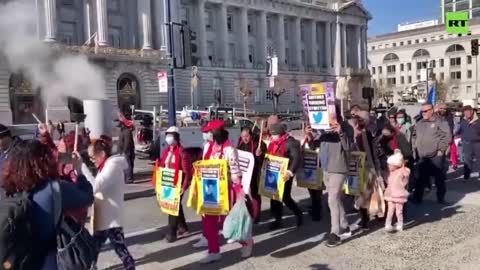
457,22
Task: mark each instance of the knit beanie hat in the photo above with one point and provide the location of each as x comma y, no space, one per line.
278,129
396,159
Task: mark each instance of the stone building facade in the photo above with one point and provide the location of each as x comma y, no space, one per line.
319,40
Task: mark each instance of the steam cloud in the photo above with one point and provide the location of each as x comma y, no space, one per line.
58,75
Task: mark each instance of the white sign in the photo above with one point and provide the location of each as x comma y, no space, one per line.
274,66
162,77
247,162
423,75
271,82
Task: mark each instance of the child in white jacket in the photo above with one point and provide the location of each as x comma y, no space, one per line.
108,188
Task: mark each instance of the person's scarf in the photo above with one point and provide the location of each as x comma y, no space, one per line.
279,147
252,146
177,164
211,145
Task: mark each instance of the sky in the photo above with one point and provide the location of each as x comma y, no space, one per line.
387,14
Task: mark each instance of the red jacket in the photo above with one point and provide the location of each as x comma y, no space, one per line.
185,164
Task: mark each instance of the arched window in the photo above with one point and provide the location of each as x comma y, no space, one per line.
24,101
390,57
421,53
128,93
455,48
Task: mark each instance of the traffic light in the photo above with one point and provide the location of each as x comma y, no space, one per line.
474,44
269,94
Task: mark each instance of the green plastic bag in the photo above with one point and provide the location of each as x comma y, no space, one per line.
238,224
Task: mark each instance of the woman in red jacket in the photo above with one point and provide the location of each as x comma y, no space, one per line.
175,157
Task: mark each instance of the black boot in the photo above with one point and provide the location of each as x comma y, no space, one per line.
364,219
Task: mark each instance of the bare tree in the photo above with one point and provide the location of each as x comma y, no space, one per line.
384,91
245,92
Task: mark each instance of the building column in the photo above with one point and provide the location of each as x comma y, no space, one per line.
262,37
145,18
313,47
280,41
243,35
297,42
365,48
201,33
88,25
102,23
328,45
50,20
359,38
338,48
223,35
344,45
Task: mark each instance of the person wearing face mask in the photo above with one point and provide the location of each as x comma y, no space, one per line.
221,148
175,157
283,145
249,142
469,131
404,126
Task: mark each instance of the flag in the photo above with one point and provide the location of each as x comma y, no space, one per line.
432,95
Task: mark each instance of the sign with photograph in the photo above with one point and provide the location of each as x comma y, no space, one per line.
168,194
247,162
211,186
319,104
310,175
357,175
271,180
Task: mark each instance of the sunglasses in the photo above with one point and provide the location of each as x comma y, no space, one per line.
425,111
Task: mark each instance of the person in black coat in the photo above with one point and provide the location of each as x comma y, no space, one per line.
283,145
249,142
126,147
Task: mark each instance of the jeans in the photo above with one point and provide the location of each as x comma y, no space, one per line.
471,150
334,183
117,240
430,167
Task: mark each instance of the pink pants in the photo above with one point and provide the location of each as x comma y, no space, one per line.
454,154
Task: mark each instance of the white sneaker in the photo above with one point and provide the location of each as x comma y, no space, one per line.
246,251
399,227
346,234
210,258
388,228
231,241
202,242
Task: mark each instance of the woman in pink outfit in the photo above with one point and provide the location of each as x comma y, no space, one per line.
396,193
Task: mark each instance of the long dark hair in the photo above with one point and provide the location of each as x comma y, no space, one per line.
30,163
220,135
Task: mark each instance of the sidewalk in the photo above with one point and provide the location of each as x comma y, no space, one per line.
142,186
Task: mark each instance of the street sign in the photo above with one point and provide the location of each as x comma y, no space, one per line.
271,82
274,66
162,77
423,74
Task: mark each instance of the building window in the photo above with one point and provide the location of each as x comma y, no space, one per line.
394,44
469,74
392,81
401,67
379,70
457,61
209,19
409,66
401,43
424,39
285,27
409,79
476,13
441,37
469,90
402,80
422,65
380,81
441,62
469,59
433,63
251,25
269,28
211,50
456,75
251,54
374,82
417,41
303,58
391,69
409,42
442,76
302,31
230,22
373,70
432,38
233,53
418,77
373,48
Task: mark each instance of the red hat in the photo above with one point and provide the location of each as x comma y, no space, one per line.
214,124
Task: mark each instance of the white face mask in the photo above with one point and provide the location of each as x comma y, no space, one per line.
207,137
275,137
170,139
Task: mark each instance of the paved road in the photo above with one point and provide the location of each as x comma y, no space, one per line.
437,237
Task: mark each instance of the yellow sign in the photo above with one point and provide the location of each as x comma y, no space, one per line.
210,190
310,175
357,176
271,180
168,194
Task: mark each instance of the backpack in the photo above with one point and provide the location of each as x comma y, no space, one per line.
17,250
76,249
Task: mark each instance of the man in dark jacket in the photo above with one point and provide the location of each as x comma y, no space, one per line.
283,145
249,143
126,146
432,142
469,131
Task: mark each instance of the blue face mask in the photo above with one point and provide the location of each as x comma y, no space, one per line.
207,137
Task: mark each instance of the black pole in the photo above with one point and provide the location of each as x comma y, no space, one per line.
172,109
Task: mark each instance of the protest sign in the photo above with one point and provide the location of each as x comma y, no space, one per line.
168,194
211,180
247,162
319,104
357,174
310,175
271,180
